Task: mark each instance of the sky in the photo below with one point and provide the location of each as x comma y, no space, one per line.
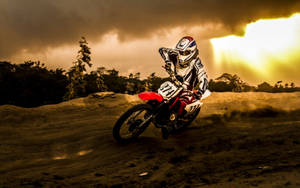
126,35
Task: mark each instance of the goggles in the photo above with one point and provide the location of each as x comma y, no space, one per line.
185,53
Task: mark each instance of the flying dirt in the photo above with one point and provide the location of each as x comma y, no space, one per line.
238,140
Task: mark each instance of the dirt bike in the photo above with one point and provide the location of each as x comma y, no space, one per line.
164,109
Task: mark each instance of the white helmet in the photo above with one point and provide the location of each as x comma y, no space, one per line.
187,49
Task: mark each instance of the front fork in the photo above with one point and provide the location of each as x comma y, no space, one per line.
157,110
146,122
151,118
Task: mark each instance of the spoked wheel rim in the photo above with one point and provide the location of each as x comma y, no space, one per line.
130,127
132,123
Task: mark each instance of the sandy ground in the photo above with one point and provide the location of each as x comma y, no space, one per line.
238,140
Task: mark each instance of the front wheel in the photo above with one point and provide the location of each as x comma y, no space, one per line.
127,127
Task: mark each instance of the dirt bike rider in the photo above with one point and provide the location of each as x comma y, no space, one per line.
184,63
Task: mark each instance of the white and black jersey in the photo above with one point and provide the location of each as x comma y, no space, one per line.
193,76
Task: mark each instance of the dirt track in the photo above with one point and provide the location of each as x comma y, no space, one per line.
70,144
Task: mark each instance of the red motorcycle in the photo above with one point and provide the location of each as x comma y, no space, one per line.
165,109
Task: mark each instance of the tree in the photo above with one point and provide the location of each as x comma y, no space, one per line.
148,82
137,75
292,85
278,87
134,84
100,80
113,72
264,87
31,84
286,85
94,82
219,86
278,84
77,84
130,88
233,80
114,82
153,82
130,76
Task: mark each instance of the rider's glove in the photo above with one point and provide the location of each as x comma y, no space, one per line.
173,56
172,53
168,65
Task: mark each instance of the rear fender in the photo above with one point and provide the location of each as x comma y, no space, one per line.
147,96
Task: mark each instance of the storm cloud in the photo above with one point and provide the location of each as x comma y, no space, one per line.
31,25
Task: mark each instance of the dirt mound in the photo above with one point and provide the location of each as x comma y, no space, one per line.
239,140
222,103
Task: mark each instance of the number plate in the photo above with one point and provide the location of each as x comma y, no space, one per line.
167,90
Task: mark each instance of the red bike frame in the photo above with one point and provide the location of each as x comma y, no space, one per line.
147,96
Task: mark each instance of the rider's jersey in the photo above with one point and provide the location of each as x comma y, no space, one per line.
193,76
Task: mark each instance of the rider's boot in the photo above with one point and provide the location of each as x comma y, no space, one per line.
165,131
170,127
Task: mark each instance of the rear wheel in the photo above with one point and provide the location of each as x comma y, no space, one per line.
190,118
127,127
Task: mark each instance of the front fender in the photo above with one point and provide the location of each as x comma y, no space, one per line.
147,96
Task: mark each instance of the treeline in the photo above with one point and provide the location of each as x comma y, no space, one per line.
229,82
32,84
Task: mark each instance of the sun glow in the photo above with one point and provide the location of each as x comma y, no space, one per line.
265,43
